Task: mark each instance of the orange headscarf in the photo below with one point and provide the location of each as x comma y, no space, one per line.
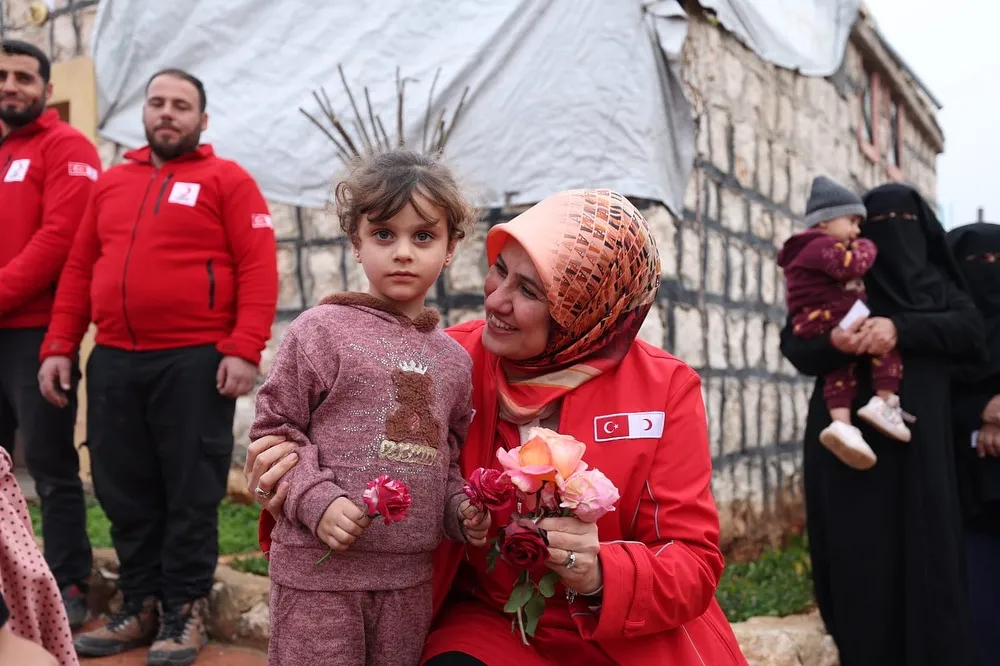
600,271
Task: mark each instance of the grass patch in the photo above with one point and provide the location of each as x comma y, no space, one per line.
252,564
237,526
778,583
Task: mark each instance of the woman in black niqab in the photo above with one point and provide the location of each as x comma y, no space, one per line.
976,409
886,543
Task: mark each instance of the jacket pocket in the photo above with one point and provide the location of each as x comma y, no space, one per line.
210,269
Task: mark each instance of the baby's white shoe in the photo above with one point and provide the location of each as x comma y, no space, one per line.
887,417
846,442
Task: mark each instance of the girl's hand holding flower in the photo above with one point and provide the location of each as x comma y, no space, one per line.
475,523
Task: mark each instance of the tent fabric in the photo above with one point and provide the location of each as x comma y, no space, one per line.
805,35
562,94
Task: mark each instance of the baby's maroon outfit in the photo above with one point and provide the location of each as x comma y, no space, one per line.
364,391
823,279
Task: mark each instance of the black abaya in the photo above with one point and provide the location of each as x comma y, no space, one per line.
977,249
886,546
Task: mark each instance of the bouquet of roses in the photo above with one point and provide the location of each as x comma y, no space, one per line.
545,477
386,497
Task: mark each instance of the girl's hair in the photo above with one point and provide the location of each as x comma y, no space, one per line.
379,186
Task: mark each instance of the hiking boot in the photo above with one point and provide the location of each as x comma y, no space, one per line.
887,417
75,600
846,442
182,635
133,626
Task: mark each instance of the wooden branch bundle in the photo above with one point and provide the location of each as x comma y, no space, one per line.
370,138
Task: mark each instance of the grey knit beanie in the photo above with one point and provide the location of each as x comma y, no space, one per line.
828,200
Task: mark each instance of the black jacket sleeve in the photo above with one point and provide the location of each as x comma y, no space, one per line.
811,357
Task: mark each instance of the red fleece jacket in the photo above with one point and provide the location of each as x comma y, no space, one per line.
170,257
47,171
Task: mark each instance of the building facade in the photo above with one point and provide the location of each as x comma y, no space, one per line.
763,133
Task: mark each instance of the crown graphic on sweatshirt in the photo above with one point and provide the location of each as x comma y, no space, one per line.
413,366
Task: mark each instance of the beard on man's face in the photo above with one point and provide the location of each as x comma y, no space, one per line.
21,117
180,145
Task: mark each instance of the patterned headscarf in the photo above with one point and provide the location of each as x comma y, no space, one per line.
600,271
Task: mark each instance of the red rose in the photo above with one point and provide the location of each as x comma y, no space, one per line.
388,498
524,545
490,488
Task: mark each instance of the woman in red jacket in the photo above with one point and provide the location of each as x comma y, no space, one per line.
570,282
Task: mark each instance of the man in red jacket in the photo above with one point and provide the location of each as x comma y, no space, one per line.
47,171
176,263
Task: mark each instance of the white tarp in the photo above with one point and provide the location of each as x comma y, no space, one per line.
806,35
563,93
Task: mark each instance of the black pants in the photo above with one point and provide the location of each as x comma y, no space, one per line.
454,659
52,460
161,442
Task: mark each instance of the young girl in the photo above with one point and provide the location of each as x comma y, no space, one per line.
368,385
824,266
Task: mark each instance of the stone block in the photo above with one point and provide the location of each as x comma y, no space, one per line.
761,222
797,640
768,414
108,152
715,268
745,153
718,122
772,347
789,419
285,220
652,329
289,294
779,172
713,410
782,230
703,135
65,44
767,279
242,421
716,318
755,340
765,168
736,278
751,410
690,258
712,200
662,225
278,329
786,118
736,330
751,273
689,336
752,99
803,391
732,417
468,266
323,224
324,273
733,76
732,210
694,192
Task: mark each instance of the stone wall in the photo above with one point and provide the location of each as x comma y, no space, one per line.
763,134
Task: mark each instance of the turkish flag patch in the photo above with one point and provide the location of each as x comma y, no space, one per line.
629,425
81,169
261,221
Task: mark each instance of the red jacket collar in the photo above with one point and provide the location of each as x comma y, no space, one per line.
49,119
144,155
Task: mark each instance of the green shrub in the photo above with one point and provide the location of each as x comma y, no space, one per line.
778,583
252,564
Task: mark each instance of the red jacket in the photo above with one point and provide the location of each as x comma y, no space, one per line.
659,553
48,169
170,257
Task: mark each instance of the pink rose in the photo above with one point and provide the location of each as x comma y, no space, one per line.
490,489
524,545
589,494
388,498
546,456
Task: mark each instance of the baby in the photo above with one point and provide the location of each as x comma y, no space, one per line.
824,267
